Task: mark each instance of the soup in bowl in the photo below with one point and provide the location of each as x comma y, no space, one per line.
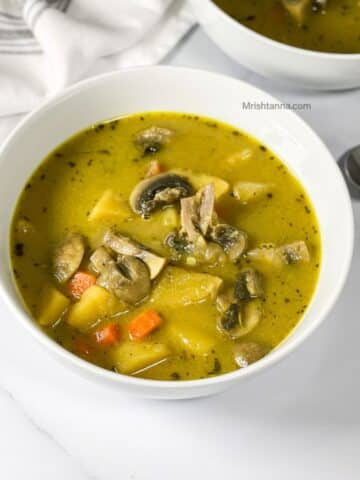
311,43
176,250
330,26
165,246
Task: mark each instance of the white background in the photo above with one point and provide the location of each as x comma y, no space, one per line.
299,420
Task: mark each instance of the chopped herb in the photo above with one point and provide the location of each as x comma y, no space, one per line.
113,124
216,368
99,127
19,249
231,317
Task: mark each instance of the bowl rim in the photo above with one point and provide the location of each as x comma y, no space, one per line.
280,45
273,357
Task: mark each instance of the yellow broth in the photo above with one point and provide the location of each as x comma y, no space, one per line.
336,29
61,193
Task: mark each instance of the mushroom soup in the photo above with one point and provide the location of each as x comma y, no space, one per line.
321,25
166,246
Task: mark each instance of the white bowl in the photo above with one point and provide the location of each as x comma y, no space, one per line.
183,90
308,69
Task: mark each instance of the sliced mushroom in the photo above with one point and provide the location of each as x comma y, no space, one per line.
248,285
247,353
68,257
203,233
240,319
178,243
128,278
197,213
158,191
231,239
292,253
152,139
189,218
125,246
230,321
206,207
224,300
101,259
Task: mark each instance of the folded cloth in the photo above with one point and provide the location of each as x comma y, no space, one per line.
48,44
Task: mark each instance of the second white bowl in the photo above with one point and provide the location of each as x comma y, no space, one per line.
316,70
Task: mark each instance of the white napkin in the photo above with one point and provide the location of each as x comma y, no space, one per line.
48,44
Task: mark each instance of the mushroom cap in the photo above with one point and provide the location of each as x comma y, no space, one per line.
128,278
68,256
136,284
248,285
124,245
231,239
240,319
153,138
154,192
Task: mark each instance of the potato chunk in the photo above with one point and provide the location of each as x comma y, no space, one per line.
178,288
299,10
241,157
200,180
170,218
95,303
190,338
131,357
109,206
248,192
52,305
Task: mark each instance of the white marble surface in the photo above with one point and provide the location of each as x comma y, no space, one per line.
299,420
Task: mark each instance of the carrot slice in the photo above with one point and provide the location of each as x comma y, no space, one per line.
154,168
144,324
108,335
82,348
80,282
